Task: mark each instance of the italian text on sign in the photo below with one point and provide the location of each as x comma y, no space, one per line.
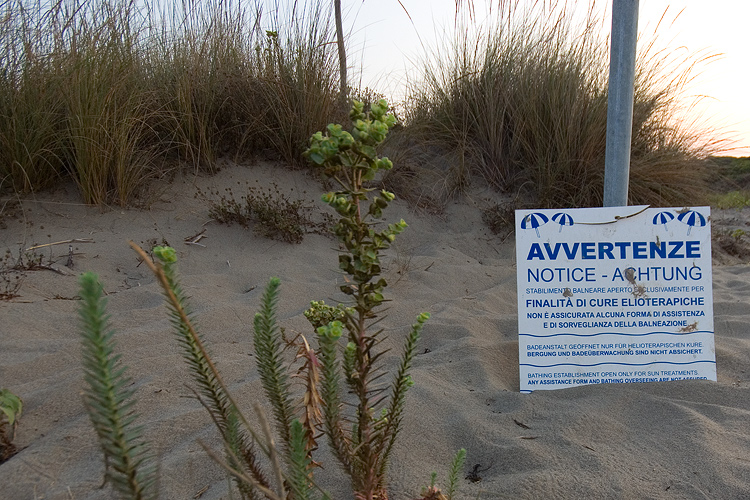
614,295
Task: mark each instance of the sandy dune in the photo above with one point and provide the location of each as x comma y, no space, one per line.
676,440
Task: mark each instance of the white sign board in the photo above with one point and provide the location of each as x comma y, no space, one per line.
614,295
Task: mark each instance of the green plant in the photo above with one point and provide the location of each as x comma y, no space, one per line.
732,199
362,433
11,407
272,213
237,434
453,476
109,400
363,441
433,492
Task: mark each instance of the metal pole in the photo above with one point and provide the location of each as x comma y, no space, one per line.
620,102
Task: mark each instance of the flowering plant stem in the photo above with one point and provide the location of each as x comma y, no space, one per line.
350,159
361,434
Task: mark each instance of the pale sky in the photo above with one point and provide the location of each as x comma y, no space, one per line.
385,46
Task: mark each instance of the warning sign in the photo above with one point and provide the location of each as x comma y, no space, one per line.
614,295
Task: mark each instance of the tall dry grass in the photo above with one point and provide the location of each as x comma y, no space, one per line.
237,80
109,92
109,108
522,103
200,56
31,111
104,92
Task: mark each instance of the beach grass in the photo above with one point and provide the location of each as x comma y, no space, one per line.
521,103
112,94
106,93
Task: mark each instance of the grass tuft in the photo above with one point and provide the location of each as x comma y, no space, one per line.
522,104
107,93
732,199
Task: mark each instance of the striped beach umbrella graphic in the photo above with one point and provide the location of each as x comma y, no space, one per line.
662,218
534,220
692,218
563,219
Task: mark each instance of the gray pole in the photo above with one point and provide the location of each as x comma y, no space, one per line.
620,102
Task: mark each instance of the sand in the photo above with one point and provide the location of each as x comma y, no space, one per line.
677,440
